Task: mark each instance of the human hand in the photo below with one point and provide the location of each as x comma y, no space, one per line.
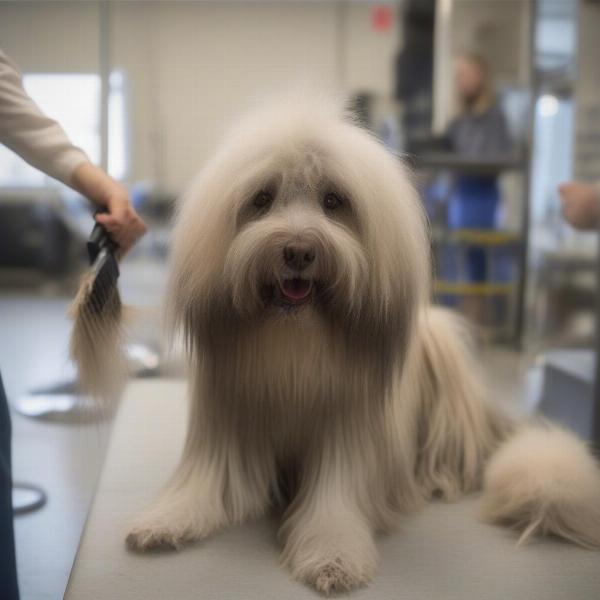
121,221
580,204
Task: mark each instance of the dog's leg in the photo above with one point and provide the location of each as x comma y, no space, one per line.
328,537
210,490
189,508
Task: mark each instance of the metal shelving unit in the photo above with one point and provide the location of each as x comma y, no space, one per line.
508,292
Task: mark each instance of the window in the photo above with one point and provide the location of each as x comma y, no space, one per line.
73,99
117,134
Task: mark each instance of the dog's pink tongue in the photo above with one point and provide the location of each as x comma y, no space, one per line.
296,289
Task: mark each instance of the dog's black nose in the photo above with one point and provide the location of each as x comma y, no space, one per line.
298,256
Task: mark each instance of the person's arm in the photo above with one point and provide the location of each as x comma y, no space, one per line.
26,130
581,204
42,142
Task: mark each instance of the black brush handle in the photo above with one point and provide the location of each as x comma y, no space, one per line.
99,240
104,269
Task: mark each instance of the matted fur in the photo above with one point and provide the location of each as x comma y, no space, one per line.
355,407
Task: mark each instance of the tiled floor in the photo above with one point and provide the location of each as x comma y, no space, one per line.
65,458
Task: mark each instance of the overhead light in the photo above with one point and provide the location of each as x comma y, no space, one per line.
548,105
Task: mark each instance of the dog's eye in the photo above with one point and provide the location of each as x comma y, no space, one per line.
262,199
331,201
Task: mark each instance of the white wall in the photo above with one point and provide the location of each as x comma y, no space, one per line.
191,66
51,36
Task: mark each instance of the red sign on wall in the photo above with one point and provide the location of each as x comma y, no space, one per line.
382,17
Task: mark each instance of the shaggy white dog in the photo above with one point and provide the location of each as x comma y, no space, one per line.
322,380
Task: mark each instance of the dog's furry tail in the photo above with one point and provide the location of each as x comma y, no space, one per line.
538,479
544,481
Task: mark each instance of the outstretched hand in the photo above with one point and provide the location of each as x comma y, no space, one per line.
122,222
580,204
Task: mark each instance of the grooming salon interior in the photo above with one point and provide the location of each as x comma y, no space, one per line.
493,105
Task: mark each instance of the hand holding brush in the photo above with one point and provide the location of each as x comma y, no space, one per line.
97,312
117,216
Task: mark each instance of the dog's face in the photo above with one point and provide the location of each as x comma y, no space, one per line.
297,244
301,211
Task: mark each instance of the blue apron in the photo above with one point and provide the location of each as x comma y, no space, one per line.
473,205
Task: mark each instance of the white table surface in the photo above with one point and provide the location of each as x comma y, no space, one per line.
441,553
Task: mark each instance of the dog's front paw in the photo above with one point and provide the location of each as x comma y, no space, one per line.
164,526
332,553
330,570
140,539
154,537
337,576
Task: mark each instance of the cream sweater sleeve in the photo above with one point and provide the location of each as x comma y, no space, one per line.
39,140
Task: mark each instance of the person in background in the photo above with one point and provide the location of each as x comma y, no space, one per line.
479,134
581,204
480,130
43,143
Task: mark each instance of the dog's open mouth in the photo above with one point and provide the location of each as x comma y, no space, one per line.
296,290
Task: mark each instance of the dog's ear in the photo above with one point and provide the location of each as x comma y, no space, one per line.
392,228
399,249
200,240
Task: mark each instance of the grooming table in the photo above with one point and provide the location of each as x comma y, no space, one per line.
442,553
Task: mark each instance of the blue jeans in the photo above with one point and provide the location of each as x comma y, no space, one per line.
8,567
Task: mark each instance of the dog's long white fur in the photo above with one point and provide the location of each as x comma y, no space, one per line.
357,407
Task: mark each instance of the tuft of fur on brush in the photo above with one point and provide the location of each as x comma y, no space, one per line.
545,481
96,341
